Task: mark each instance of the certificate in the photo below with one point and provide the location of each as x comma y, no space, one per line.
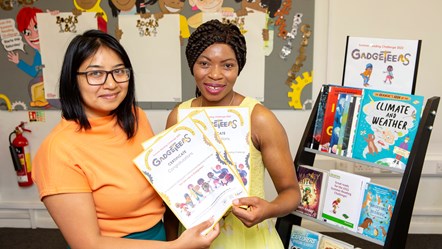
232,125
190,174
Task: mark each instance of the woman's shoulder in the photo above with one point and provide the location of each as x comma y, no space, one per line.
59,136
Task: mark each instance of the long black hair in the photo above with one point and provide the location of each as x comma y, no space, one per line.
80,49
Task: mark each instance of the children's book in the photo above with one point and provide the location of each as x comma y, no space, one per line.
381,64
312,182
343,198
303,238
337,122
200,183
376,211
347,131
346,124
386,128
328,242
320,117
329,115
348,145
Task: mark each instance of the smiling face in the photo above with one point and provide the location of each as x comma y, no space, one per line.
99,101
124,5
31,35
215,72
207,5
171,6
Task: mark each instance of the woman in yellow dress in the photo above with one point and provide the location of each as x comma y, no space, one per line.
216,54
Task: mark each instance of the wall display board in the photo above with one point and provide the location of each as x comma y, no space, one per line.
285,72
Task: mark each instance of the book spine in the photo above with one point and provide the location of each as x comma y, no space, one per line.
354,122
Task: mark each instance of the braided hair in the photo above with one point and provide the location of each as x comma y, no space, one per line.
212,32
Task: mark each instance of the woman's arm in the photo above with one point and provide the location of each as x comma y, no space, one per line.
75,215
269,137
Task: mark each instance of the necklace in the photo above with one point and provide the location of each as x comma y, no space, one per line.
231,101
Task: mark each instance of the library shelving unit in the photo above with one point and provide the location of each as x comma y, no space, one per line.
403,209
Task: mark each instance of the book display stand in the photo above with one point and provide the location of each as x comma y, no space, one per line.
403,209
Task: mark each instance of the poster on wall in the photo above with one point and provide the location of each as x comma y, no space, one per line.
155,52
56,31
251,79
381,64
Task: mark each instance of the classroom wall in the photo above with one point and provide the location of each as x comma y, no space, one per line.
334,20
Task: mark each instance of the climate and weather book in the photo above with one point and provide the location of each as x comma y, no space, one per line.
376,211
312,183
329,114
386,127
343,198
303,238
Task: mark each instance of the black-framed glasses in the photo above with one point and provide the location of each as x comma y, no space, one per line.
99,77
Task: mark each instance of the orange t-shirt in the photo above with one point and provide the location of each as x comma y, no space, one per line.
99,161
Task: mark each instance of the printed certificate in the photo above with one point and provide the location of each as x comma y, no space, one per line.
190,175
232,125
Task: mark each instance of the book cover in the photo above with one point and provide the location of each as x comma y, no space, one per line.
348,152
381,64
320,117
200,185
312,183
337,123
329,114
303,238
328,242
387,127
376,211
343,198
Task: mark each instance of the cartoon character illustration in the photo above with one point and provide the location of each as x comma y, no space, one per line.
205,185
367,200
367,73
305,201
390,210
189,201
206,6
384,232
195,192
403,146
127,7
366,223
215,180
242,173
183,207
372,149
389,73
92,6
27,25
335,205
270,7
173,7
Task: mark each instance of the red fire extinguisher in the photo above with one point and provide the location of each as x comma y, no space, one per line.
21,156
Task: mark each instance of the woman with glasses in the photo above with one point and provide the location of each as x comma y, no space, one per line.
84,169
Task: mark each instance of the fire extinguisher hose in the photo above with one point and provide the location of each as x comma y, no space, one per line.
14,156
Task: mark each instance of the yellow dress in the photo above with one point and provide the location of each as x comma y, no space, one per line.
234,235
